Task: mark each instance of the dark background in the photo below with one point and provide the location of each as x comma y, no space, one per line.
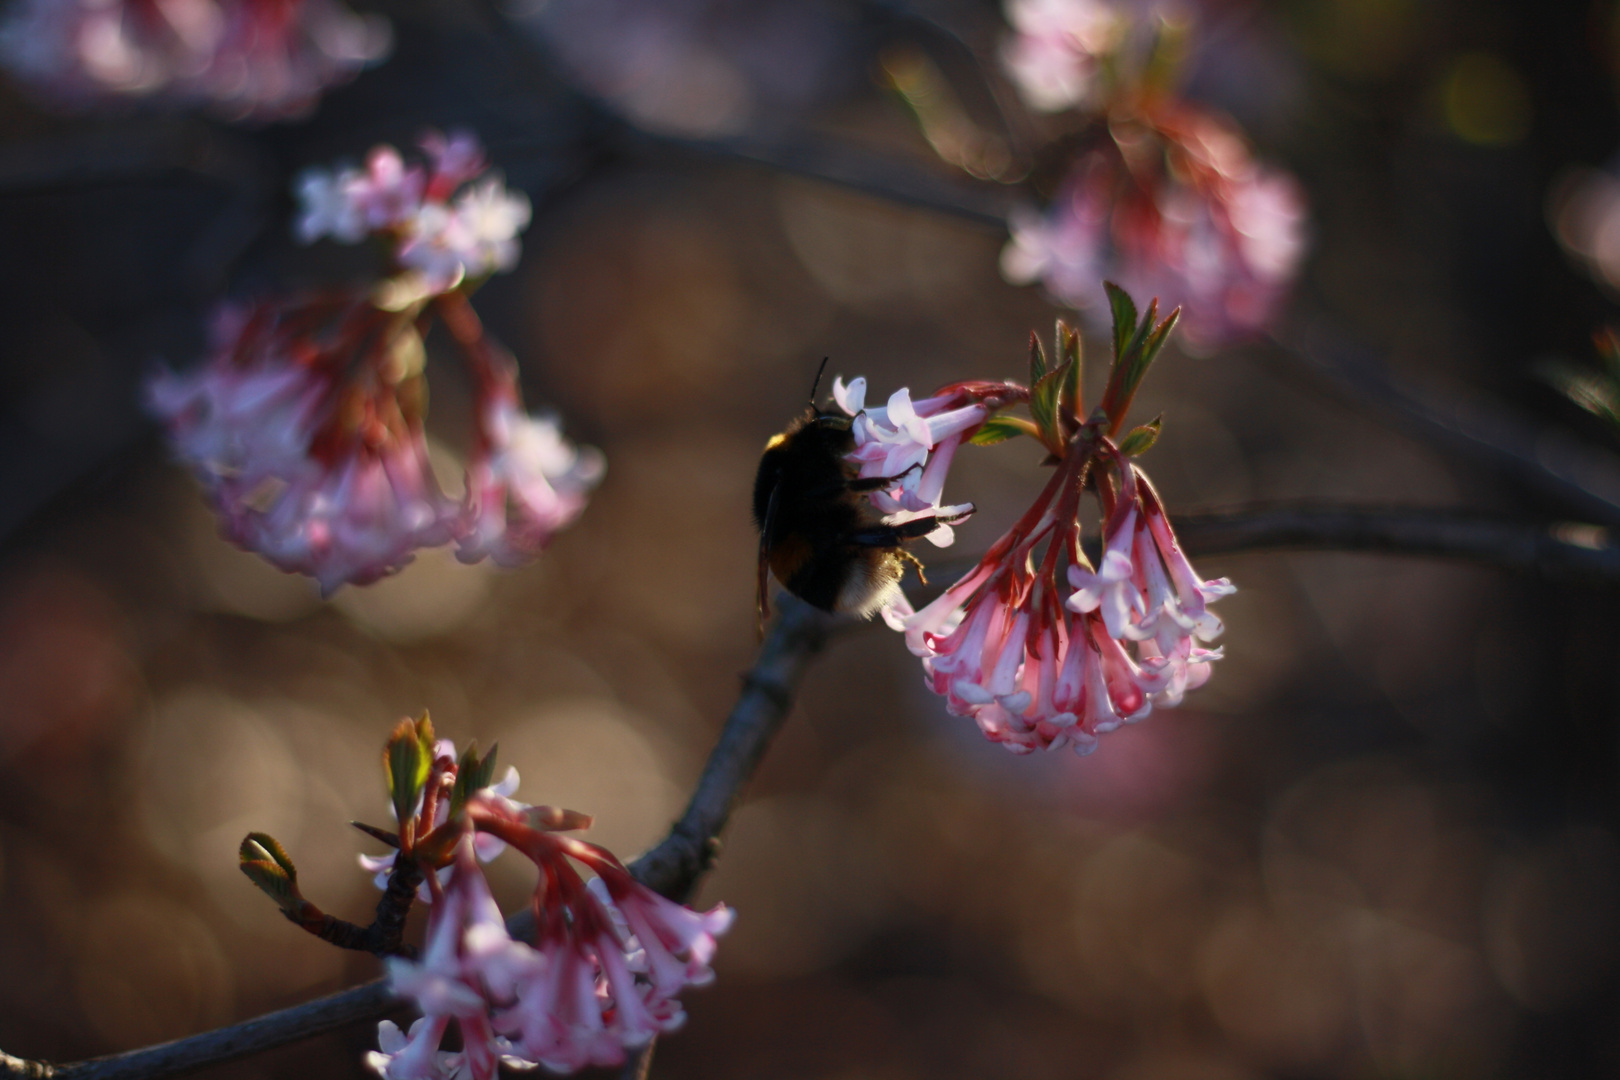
1381,842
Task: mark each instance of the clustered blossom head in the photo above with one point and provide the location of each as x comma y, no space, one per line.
305,423
1041,647
245,59
1173,206
602,977
1156,193
609,957
443,228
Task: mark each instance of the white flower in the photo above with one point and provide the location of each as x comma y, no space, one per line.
1055,48
471,238
328,207
915,444
527,483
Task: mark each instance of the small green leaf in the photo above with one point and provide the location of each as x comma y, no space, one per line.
1123,309
472,776
486,768
258,845
270,880
1000,429
267,865
389,838
1068,342
1037,359
1069,354
1134,355
1133,347
408,763
1155,341
1043,403
1141,439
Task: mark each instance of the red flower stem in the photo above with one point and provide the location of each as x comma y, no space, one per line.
491,367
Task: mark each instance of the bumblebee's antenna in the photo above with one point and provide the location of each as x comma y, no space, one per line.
817,384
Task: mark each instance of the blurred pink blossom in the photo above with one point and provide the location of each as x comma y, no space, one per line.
245,59
1056,48
1174,206
525,483
319,473
305,428
305,424
1585,211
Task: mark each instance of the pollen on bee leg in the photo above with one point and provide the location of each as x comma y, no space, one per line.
916,563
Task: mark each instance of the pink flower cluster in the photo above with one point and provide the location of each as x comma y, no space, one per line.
603,976
443,227
1039,646
305,423
1174,207
245,59
305,429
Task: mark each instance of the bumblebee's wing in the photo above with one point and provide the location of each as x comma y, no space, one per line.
767,536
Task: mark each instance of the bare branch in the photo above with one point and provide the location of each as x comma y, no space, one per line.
1562,550
366,1002
838,162
1541,457
675,865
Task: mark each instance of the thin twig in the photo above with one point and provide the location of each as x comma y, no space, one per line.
836,161
1561,550
672,868
1541,457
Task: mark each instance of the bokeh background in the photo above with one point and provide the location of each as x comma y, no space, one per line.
1381,842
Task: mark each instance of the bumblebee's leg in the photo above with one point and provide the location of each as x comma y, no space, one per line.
892,536
906,556
877,483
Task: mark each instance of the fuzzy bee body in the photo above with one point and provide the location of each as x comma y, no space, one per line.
824,541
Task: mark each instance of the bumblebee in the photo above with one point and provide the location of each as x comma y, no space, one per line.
826,543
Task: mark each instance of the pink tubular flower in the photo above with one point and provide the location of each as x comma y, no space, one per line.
915,442
446,984
1173,205
525,483
600,979
245,59
320,473
1040,658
